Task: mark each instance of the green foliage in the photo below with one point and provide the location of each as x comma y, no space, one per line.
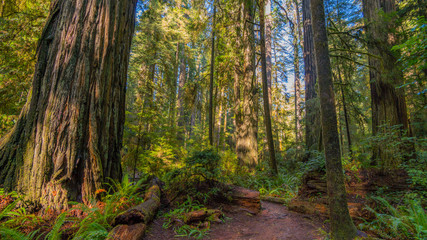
98,216
14,234
184,230
21,23
204,163
393,141
403,222
201,170
55,233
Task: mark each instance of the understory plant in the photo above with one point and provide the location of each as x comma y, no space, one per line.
84,221
408,221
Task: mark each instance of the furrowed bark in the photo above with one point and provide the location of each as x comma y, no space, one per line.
67,140
312,110
247,124
387,99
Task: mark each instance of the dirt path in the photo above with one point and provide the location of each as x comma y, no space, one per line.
275,222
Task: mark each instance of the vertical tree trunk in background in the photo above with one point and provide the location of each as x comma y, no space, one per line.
211,82
172,108
220,103
297,82
342,226
181,85
344,105
67,140
388,101
312,111
268,23
267,118
246,105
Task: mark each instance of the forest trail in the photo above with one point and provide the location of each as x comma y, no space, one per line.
274,222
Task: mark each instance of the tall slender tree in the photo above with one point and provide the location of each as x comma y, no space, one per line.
267,118
67,140
342,226
211,82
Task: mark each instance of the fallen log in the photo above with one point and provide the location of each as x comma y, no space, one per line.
273,199
203,214
246,198
144,212
128,232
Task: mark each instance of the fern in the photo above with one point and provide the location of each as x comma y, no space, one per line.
55,233
92,231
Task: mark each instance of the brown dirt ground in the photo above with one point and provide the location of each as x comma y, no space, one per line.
274,222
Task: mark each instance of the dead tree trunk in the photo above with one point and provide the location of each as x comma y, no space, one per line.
67,140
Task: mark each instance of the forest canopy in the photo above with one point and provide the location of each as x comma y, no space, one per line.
315,104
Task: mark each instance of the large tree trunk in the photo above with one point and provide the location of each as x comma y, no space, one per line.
246,132
388,101
312,111
341,225
67,140
265,91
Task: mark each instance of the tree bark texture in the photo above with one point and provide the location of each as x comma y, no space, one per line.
246,100
342,226
312,111
297,82
211,82
387,100
68,137
265,91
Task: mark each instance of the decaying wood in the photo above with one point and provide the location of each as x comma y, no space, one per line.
246,198
203,214
128,232
144,212
273,199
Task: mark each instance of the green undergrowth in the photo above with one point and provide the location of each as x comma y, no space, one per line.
175,218
404,221
81,221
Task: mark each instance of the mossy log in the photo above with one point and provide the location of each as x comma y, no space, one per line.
144,212
128,232
203,214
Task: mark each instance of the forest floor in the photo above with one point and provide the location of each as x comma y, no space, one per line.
274,222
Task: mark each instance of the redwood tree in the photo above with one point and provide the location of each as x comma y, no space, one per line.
312,111
387,98
342,226
68,137
246,101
